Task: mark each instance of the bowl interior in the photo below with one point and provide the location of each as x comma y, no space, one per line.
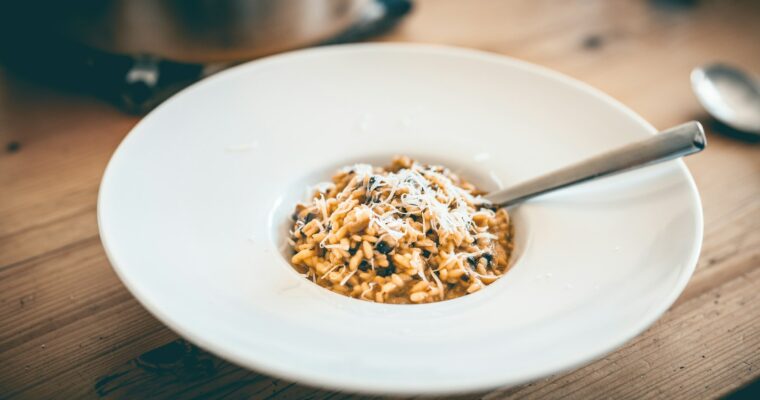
193,204
302,187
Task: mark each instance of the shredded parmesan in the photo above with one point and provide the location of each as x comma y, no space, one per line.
329,270
347,277
428,193
439,284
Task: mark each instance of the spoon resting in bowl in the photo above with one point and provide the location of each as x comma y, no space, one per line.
679,141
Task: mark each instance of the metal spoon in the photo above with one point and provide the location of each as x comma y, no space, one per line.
679,141
729,95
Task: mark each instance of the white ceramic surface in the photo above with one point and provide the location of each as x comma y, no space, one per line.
193,204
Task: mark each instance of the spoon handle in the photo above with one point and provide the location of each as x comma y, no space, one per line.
679,141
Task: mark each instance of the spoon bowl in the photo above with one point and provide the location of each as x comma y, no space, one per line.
728,94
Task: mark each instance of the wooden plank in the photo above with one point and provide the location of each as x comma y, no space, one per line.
669,353
34,240
65,314
55,173
703,348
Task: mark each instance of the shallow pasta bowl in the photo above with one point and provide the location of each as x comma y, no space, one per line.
195,202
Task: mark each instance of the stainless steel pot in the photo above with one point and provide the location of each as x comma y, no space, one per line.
203,31
138,52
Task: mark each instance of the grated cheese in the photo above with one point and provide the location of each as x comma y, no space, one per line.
330,270
445,204
347,277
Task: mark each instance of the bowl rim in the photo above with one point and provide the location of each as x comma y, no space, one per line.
472,385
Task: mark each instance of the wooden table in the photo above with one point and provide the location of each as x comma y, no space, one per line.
68,328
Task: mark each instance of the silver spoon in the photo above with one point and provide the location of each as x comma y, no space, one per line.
679,141
729,95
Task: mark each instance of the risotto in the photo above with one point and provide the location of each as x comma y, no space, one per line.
406,233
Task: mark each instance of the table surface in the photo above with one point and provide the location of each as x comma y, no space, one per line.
71,329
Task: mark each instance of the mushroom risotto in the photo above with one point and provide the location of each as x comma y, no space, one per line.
406,233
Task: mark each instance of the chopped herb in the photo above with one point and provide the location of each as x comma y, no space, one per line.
383,247
364,266
472,261
352,250
488,257
425,253
387,271
309,217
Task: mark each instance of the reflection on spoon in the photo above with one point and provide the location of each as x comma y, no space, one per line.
729,95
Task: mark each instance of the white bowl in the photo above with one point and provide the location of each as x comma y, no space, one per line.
194,202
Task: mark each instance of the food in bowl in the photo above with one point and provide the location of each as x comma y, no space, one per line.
407,233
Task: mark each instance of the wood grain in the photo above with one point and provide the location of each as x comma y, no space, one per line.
71,330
